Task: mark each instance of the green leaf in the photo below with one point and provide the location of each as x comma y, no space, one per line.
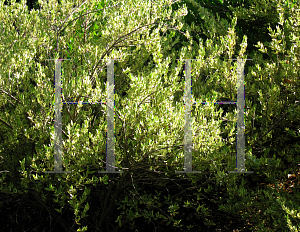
119,220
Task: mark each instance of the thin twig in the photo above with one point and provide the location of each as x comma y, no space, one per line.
83,15
150,152
8,94
274,125
6,124
118,41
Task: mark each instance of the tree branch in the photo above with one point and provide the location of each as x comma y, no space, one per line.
108,208
8,94
190,189
150,152
81,15
6,124
274,125
117,41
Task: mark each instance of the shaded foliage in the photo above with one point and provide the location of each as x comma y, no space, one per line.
149,141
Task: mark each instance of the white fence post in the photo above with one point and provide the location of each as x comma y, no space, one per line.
188,145
58,121
110,145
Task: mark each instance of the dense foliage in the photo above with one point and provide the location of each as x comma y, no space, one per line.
148,37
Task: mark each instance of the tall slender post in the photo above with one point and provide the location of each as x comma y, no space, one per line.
188,127
110,105
188,136
240,157
58,121
240,135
